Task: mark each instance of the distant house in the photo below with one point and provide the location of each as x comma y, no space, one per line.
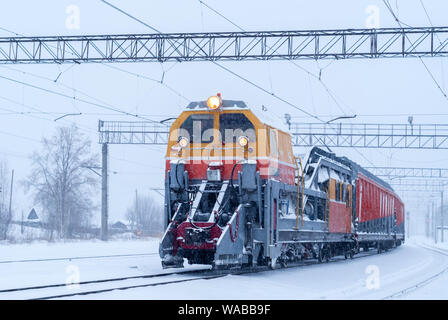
32,220
119,226
32,215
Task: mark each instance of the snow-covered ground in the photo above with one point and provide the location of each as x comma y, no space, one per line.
20,265
370,277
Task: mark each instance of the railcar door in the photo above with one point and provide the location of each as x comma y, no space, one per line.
339,220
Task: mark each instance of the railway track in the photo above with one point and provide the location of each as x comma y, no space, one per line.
127,287
45,292
79,258
134,282
39,292
424,282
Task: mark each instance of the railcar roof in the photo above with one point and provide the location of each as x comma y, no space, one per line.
355,166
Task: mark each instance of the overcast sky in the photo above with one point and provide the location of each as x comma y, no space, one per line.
384,91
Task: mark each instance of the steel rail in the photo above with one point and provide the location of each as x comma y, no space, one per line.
424,282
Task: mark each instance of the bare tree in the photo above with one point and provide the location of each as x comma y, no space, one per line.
145,214
61,183
5,215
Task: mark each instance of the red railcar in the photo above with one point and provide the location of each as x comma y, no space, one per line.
378,208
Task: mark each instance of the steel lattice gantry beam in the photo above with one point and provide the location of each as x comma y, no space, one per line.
133,132
430,136
403,189
406,186
422,136
263,45
401,172
418,183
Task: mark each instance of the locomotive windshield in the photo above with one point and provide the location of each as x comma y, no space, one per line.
199,128
234,125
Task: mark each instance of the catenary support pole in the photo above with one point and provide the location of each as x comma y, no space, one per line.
434,223
104,192
408,226
441,217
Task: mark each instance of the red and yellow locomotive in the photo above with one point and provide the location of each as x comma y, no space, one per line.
235,195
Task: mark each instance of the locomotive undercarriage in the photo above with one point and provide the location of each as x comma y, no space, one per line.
254,222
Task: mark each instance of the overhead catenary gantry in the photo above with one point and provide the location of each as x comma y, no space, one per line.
423,185
401,136
233,46
403,172
371,135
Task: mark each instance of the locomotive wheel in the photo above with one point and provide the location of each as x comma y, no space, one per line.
324,254
283,263
380,249
352,253
348,252
320,255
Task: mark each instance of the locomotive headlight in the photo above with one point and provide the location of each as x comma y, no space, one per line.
183,142
243,141
214,102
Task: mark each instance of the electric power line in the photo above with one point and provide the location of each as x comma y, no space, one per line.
244,79
130,16
400,23
75,98
276,96
161,82
318,78
219,65
88,129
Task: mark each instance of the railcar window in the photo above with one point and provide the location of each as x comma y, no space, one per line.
199,128
234,125
347,197
338,191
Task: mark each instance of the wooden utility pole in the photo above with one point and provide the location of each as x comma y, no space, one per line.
104,193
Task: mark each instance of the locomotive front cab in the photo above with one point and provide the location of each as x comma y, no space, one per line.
202,137
210,138
207,150
205,146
